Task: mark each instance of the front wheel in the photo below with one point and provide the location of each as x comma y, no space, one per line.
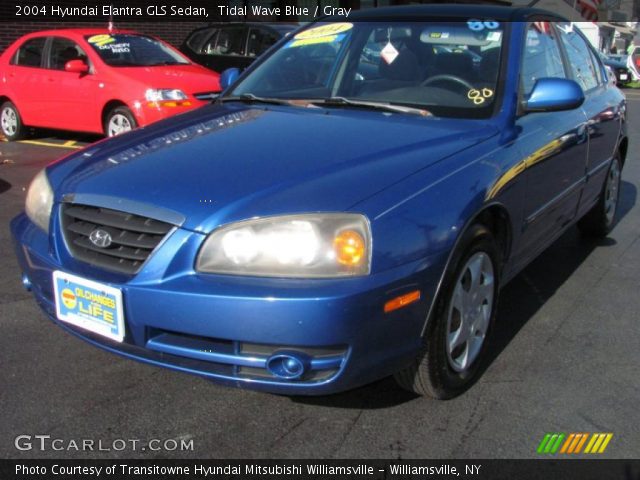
600,220
10,122
119,120
456,338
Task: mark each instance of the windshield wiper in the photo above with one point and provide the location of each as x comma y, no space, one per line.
388,107
251,98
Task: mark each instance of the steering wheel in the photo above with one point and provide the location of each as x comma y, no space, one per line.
447,78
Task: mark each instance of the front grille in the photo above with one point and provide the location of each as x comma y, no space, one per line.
133,237
206,95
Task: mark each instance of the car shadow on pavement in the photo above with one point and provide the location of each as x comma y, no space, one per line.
519,301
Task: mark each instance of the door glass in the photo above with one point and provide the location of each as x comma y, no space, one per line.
195,40
259,41
582,67
541,57
230,42
62,51
210,45
30,54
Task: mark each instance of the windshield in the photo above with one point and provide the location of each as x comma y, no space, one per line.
450,69
125,50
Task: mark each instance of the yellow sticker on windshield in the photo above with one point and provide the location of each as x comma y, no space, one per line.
313,41
332,29
101,40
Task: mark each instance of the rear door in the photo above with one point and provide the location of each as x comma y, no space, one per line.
553,146
25,81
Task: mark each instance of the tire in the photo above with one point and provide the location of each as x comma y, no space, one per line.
11,124
440,371
600,220
118,121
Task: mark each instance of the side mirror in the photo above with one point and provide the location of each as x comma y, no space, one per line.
554,95
229,76
76,66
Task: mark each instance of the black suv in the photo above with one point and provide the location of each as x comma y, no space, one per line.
219,46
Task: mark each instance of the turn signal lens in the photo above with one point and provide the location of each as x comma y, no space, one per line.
402,301
350,248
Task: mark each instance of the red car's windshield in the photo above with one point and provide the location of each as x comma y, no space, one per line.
126,50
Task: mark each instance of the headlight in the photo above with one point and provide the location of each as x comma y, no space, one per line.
162,94
310,245
39,201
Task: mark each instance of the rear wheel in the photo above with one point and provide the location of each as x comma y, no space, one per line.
10,122
600,220
119,120
455,342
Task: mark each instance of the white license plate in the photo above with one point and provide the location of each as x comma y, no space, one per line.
89,305
624,76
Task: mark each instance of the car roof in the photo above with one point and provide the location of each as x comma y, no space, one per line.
466,11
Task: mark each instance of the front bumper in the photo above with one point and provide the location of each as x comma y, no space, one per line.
226,328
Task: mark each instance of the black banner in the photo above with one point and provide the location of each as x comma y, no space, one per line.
569,469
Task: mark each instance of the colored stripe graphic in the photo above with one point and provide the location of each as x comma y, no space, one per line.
573,443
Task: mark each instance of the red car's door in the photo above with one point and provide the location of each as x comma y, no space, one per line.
25,80
71,103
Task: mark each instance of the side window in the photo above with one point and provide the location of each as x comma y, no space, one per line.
230,41
196,38
259,40
30,53
210,44
578,54
62,50
598,66
541,57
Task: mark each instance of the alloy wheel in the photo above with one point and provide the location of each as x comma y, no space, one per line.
118,124
9,121
470,311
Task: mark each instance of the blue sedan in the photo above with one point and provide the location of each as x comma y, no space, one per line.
348,209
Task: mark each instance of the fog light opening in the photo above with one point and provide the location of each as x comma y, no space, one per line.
288,365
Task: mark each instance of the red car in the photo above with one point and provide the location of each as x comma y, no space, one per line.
93,80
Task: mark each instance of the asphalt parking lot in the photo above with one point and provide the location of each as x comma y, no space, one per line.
565,359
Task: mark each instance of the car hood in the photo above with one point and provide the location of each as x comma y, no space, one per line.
223,163
189,78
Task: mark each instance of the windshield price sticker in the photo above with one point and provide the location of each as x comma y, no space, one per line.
315,40
479,25
330,30
101,40
479,96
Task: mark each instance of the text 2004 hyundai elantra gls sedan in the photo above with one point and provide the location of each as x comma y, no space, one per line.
336,216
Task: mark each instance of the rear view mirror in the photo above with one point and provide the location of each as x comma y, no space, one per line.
229,76
554,95
76,66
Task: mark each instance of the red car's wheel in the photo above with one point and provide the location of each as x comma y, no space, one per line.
10,122
119,120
